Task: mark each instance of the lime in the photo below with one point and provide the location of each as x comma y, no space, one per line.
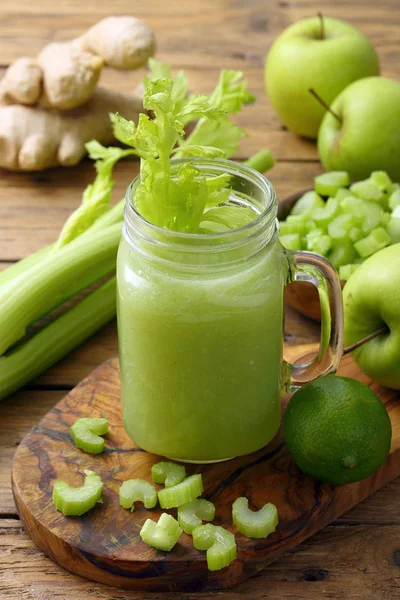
337,430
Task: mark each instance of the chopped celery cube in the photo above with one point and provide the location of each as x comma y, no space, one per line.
307,203
394,199
385,218
394,187
77,501
137,490
370,216
162,535
396,213
254,524
287,228
382,180
352,205
367,190
342,254
219,543
376,240
329,183
393,229
192,514
183,492
343,193
318,241
346,271
297,219
86,434
339,229
323,216
355,234
291,241
168,473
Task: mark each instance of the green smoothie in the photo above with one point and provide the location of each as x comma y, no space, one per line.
201,353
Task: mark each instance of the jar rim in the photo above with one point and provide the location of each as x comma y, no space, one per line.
224,165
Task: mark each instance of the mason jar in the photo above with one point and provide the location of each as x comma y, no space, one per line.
200,326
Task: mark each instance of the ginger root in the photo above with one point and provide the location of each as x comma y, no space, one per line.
65,74
32,138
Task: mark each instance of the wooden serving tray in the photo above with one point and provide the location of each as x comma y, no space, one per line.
104,545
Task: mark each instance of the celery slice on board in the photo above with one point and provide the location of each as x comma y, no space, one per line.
184,492
137,490
77,501
376,240
291,241
329,183
162,535
218,542
168,473
307,204
192,514
86,434
254,524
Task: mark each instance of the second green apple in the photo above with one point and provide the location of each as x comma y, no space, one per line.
324,54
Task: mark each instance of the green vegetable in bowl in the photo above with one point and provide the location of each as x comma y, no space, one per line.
353,223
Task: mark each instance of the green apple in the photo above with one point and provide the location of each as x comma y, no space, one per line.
324,54
365,134
371,300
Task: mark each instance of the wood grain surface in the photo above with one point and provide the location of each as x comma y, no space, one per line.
104,545
358,556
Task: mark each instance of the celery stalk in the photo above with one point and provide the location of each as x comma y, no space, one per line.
261,161
30,358
54,280
22,265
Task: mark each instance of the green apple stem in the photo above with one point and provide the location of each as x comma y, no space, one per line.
324,104
321,20
370,337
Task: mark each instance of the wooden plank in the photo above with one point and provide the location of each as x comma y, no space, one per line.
33,208
340,563
199,33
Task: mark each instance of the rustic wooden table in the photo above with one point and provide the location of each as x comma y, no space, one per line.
356,557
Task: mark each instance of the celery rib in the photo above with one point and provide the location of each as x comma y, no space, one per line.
30,358
54,280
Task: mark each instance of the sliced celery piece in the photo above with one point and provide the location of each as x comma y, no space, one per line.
367,190
355,234
370,216
396,213
346,271
385,218
352,205
287,228
77,501
291,241
254,524
184,492
86,434
323,216
382,180
329,183
393,229
394,187
307,204
262,161
219,543
297,219
339,229
342,254
394,199
162,535
376,240
318,241
168,473
137,490
343,193
29,358
192,514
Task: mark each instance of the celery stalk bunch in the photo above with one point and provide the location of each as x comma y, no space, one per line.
85,252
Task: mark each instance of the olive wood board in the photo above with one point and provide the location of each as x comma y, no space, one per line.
104,545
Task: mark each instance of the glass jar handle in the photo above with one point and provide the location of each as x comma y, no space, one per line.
312,268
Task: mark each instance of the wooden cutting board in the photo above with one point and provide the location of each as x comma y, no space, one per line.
104,545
